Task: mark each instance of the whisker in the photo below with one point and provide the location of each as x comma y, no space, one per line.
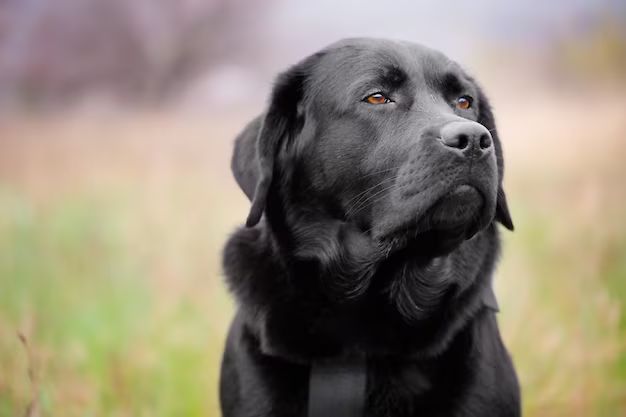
427,221
355,200
373,200
371,174
368,201
380,172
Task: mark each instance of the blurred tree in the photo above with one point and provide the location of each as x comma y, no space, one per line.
54,52
597,53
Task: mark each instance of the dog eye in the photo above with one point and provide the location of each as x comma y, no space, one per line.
377,98
464,102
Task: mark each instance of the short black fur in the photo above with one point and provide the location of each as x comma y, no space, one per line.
372,232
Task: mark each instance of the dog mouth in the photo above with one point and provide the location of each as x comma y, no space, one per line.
456,216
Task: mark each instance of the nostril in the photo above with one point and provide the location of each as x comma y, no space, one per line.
485,141
458,141
462,141
463,135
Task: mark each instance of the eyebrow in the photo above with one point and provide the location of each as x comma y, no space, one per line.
450,83
392,77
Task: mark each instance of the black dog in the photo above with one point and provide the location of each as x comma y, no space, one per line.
376,180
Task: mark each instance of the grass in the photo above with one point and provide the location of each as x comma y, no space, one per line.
111,295
104,343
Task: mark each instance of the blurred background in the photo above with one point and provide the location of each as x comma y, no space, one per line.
116,126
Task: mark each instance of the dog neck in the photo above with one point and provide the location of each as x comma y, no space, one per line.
335,297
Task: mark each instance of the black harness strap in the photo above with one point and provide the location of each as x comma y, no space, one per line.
337,388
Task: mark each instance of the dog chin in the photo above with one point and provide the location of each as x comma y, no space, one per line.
455,217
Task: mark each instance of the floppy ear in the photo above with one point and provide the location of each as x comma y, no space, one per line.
257,146
502,210
243,163
486,118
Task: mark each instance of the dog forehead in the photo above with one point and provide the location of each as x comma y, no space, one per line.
352,64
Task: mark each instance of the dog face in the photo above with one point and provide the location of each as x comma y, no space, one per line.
392,139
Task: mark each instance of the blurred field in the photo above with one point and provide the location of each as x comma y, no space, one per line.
110,238
111,294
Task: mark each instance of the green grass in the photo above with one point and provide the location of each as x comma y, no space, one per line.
563,302
108,340
110,271
102,343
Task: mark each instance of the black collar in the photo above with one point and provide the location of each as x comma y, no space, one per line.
337,385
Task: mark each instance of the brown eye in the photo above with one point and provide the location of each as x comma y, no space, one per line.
464,102
377,98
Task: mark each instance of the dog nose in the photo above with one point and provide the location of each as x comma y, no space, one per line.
472,138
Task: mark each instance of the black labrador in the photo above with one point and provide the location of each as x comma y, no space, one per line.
375,177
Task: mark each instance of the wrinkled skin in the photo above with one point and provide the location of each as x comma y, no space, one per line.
372,232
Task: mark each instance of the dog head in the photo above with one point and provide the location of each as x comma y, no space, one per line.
391,138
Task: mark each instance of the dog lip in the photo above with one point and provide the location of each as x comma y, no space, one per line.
462,198
463,188
461,201
457,209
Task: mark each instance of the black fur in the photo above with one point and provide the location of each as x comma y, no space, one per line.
369,236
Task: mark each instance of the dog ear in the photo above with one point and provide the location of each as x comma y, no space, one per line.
502,210
486,118
243,163
257,146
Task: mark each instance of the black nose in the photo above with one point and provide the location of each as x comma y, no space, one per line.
472,138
